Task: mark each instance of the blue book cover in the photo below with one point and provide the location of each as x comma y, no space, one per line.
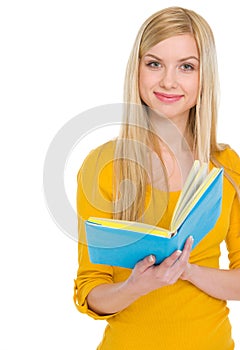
123,244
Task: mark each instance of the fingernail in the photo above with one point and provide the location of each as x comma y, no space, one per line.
192,239
178,252
151,258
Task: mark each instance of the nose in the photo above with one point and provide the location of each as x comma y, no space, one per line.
168,79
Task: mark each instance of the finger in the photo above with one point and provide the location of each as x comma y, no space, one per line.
144,264
189,243
187,249
168,262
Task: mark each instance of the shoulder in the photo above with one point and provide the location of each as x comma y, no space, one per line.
95,182
98,158
230,160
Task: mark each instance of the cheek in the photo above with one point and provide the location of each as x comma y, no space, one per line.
192,88
195,89
147,81
143,84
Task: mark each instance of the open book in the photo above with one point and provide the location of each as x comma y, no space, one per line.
124,243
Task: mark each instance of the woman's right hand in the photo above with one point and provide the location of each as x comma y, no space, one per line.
146,276
110,298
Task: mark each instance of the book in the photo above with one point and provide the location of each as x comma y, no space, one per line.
124,243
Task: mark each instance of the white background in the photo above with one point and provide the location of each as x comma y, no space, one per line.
58,59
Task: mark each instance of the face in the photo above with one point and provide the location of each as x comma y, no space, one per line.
169,77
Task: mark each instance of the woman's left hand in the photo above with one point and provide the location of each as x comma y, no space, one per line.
187,272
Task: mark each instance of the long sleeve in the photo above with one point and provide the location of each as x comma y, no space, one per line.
233,236
231,160
94,198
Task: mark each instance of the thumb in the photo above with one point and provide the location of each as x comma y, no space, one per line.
144,264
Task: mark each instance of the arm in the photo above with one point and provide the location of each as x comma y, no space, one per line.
220,284
145,277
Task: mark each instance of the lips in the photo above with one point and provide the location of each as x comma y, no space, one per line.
167,98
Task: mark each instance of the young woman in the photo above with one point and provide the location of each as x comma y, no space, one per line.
171,84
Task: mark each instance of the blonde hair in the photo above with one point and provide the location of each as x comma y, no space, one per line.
202,118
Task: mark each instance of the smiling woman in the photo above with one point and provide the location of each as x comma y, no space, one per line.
171,84
169,78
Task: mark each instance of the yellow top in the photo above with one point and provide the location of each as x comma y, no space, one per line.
179,316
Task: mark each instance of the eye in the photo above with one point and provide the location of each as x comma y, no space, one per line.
153,65
187,67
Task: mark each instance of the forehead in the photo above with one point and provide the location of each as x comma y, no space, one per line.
177,46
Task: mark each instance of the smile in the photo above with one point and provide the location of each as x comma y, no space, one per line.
167,98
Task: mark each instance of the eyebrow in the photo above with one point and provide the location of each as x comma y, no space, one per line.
181,60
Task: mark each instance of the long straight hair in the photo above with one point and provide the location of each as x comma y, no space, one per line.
131,156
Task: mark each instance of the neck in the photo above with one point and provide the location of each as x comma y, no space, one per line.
173,132
174,138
